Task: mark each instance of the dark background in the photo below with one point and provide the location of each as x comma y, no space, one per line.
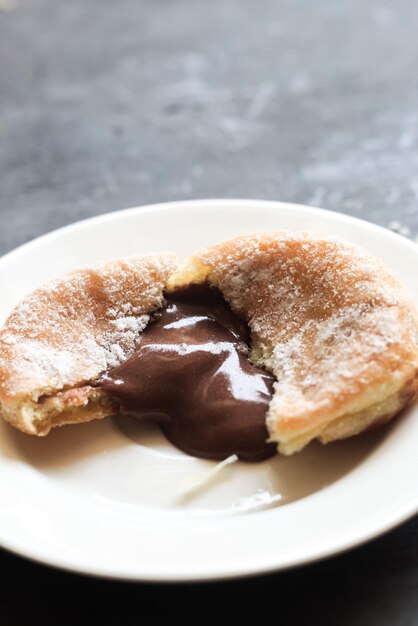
106,104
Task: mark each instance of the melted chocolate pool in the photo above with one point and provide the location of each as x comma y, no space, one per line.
190,373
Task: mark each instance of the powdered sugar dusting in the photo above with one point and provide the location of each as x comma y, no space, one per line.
73,328
326,317
119,343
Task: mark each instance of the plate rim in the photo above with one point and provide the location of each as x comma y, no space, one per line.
202,203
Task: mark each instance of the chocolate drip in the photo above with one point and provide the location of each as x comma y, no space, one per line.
190,373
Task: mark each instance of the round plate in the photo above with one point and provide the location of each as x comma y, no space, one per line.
113,498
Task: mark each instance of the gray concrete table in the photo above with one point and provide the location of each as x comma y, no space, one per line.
105,105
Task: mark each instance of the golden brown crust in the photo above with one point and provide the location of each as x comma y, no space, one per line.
331,322
67,332
334,325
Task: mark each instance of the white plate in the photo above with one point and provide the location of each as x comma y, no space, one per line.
112,498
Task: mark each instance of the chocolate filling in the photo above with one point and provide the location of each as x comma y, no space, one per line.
190,373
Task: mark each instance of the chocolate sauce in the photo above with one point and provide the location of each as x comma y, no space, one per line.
190,373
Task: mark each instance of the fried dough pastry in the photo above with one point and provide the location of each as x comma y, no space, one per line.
63,335
334,326
331,322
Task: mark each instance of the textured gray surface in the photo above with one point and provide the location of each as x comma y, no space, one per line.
105,105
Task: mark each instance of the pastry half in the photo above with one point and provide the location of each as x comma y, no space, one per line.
63,335
332,323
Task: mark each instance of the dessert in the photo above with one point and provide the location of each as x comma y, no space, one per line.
333,324
332,349
65,334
